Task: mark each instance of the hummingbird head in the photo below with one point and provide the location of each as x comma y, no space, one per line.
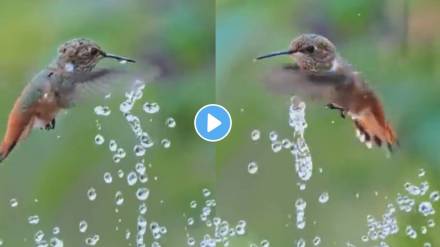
82,54
312,52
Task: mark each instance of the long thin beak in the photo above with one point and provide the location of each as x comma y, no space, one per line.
274,54
119,58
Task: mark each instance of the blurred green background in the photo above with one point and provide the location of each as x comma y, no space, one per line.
58,167
396,46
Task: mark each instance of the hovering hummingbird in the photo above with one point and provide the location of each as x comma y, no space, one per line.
54,88
321,73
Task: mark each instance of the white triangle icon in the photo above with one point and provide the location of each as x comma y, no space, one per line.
213,123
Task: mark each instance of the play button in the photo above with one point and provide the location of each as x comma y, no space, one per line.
212,122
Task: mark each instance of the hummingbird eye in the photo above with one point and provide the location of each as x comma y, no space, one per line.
93,51
309,49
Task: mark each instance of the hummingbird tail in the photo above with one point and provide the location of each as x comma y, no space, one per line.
5,149
370,131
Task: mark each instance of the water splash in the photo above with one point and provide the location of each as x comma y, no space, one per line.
411,202
217,231
300,150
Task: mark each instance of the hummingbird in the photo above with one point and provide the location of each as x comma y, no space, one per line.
53,89
321,73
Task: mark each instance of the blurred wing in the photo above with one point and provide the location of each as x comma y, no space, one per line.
313,85
101,82
86,77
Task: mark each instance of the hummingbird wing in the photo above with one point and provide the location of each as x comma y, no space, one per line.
92,76
343,90
317,85
99,81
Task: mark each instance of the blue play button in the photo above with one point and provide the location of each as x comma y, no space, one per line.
213,122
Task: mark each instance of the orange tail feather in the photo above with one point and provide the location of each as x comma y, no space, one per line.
370,130
19,125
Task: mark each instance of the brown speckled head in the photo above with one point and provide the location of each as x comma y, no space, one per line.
82,54
312,52
79,54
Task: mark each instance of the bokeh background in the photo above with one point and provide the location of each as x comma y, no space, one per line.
56,168
396,46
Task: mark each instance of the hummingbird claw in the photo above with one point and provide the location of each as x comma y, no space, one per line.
51,125
335,107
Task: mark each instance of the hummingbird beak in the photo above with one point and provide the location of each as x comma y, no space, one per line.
119,58
274,54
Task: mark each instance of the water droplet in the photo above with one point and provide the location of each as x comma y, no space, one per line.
38,237
170,122
108,178
91,241
276,146
33,219
102,110
273,136
142,194
151,107
426,209
434,196
119,199
301,243
131,178
56,230
143,208
55,242
120,173
91,194
145,140
252,167
255,135
123,61
83,226
99,139
324,197
191,241
166,143
139,150
431,223
206,192
121,153
125,106
286,144
410,232
264,243
316,241
13,203
190,221
112,146
193,204
140,168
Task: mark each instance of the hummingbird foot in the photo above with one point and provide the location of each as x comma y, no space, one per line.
333,106
51,125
